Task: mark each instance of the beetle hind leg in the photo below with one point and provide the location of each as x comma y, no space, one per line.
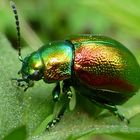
68,94
119,115
113,109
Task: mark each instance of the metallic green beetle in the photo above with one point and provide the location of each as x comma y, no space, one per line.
99,68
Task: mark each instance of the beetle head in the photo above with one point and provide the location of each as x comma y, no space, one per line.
32,70
32,67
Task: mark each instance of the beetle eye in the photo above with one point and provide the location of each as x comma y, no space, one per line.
36,75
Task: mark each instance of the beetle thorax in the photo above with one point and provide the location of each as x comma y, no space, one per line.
57,59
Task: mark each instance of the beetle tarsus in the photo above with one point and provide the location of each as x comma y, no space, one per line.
58,118
25,89
54,121
18,81
27,84
120,116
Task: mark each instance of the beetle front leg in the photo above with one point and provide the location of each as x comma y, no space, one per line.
19,82
23,83
68,94
56,92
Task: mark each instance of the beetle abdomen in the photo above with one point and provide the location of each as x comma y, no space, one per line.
104,63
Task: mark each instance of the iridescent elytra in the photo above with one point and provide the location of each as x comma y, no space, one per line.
99,68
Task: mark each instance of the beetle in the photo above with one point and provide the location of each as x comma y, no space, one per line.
97,67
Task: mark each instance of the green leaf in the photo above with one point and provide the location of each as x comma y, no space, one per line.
17,134
34,108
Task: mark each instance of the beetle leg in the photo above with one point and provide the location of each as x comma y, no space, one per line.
58,118
120,116
112,108
56,92
23,83
19,82
68,94
66,89
29,84
106,106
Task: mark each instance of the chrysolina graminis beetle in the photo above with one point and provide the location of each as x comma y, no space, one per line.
99,68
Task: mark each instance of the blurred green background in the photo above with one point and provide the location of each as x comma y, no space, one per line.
43,21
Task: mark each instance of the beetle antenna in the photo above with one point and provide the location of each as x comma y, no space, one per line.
17,28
